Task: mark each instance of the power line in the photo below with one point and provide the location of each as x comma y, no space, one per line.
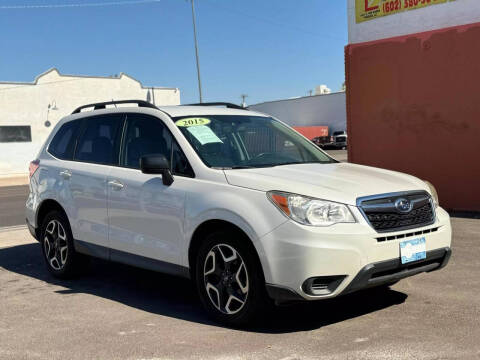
282,25
76,5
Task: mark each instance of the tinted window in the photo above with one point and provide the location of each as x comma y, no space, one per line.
180,164
15,134
144,135
97,144
63,142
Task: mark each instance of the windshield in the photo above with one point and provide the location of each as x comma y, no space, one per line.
237,142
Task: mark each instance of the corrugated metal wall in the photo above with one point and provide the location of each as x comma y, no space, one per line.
320,110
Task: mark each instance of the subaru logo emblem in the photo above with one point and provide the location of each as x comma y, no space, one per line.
403,205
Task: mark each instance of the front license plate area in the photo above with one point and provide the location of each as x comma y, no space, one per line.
413,250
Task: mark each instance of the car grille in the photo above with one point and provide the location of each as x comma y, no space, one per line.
384,216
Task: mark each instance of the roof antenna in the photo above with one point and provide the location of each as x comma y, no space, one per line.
114,103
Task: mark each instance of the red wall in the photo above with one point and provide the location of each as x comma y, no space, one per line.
413,105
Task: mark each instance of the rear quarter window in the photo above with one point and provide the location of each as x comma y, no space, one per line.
63,143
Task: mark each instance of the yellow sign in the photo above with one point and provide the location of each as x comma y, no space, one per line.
192,122
371,9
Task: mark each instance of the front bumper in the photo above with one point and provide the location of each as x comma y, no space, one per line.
349,254
377,274
390,271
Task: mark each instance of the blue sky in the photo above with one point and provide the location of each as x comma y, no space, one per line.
267,49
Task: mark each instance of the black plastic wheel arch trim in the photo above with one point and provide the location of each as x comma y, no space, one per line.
283,295
33,230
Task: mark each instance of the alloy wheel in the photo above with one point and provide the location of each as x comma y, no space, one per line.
226,279
55,245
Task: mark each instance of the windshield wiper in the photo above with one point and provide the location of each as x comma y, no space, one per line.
239,167
306,162
249,167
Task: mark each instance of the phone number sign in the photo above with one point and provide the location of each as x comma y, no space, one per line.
372,9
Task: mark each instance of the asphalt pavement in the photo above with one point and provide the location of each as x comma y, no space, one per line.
113,311
12,205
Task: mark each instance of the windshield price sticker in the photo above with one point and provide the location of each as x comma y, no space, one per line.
204,134
192,122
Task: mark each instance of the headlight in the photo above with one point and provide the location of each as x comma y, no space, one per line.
433,191
309,211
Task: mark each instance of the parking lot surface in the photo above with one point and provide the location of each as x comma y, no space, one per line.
118,312
340,155
12,205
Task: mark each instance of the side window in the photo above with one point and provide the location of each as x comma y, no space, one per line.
144,135
97,143
63,143
180,164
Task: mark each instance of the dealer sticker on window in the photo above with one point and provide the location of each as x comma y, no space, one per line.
413,250
187,122
204,134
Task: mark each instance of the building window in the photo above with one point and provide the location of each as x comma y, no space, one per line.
15,134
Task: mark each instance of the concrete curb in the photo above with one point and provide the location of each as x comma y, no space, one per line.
14,180
12,228
14,236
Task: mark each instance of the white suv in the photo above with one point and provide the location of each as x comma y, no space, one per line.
233,199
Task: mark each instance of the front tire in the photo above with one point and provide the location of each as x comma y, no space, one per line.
57,245
229,279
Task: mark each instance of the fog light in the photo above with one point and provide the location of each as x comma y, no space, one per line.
322,285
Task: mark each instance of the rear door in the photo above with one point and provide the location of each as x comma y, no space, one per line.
96,150
145,216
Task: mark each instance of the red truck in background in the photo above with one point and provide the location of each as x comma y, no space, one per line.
311,132
319,136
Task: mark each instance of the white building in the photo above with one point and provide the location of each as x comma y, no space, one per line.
322,90
29,111
320,110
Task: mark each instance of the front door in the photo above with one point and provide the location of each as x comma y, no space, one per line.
145,216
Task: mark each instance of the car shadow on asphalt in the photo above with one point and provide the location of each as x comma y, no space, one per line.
176,297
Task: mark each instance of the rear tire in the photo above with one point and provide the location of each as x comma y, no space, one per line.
229,279
57,245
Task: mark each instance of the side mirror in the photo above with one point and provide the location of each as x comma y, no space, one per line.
157,164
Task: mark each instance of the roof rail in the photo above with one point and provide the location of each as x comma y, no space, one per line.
226,104
103,105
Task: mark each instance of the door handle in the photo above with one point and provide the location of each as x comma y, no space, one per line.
66,174
115,184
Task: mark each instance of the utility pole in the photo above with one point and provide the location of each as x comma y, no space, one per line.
196,52
244,96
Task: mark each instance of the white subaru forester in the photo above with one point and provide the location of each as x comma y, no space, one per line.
233,199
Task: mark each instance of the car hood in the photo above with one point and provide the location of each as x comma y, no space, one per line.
340,182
